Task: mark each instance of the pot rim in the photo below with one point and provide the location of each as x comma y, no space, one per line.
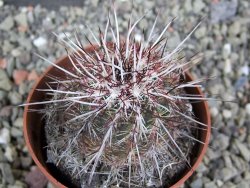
54,181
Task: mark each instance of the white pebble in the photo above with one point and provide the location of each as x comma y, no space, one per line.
248,108
1,3
227,66
245,70
4,136
227,114
138,37
40,42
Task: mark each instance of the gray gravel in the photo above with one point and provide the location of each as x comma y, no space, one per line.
223,39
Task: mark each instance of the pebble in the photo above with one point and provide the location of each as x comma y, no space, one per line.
210,184
15,132
245,70
26,161
40,42
188,5
18,122
4,136
200,32
15,98
21,19
226,50
223,10
10,153
244,151
7,173
198,5
228,173
227,66
214,111
20,76
227,114
247,108
240,82
7,23
234,28
16,52
174,40
221,142
36,179
196,183
5,83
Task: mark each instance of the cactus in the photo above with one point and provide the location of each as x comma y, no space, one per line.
120,116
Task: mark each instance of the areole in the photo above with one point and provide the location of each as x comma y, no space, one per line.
35,138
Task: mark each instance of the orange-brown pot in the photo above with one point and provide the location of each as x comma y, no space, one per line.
35,137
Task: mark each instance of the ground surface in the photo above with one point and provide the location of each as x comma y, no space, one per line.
223,39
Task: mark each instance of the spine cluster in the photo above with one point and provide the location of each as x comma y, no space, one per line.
119,115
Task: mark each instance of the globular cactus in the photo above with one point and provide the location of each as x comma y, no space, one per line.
120,117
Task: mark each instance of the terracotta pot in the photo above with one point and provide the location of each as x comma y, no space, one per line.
35,137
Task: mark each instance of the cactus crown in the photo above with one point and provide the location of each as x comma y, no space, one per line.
120,115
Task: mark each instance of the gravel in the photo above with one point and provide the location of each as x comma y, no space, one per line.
223,39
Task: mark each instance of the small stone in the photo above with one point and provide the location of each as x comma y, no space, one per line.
219,183
196,183
7,173
235,28
7,24
5,111
25,44
247,108
221,142
244,151
3,63
244,70
19,76
4,136
36,179
143,24
228,173
200,32
15,98
227,114
188,5
5,83
212,155
202,168
15,132
198,5
16,52
210,184
40,42
24,58
94,3
226,50
240,82
50,185
10,153
21,19
223,10
26,162
227,66
138,37
18,122
1,3
174,40
243,184
214,111
33,75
